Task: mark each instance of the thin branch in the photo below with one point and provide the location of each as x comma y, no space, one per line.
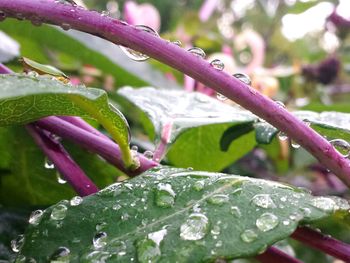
122,34
324,243
274,255
97,144
69,170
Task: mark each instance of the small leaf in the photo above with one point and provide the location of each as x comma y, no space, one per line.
26,98
210,216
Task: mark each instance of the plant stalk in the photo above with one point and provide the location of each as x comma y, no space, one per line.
274,255
120,33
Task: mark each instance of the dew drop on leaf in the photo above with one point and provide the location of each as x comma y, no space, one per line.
101,226
342,146
65,26
218,199
35,217
60,180
243,78
195,227
197,52
249,235
235,211
133,54
199,185
267,222
147,251
100,240
76,200
263,200
158,236
295,145
59,212
217,64
165,195
17,243
61,255
2,16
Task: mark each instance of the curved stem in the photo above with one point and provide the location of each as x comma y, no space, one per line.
70,171
102,146
122,34
324,243
274,255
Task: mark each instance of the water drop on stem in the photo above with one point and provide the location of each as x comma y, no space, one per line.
243,78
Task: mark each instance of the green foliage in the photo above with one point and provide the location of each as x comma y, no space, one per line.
177,214
26,98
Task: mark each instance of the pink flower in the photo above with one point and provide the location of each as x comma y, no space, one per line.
143,14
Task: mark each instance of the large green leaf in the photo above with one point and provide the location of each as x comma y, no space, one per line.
198,123
26,98
76,49
24,180
174,215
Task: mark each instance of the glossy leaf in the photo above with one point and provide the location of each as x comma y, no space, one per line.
175,214
197,123
26,98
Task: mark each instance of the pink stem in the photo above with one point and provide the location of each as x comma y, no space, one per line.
122,34
55,152
160,152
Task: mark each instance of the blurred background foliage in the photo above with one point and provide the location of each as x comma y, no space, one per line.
294,51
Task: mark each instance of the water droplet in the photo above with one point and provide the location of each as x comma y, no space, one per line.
65,26
48,164
197,52
96,256
20,16
199,185
306,211
177,42
283,199
264,201
296,216
61,255
286,222
158,236
282,136
218,199
148,154
235,211
75,201
36,21
342,146
323,203
59,212
148,251
195,227
280,104
133,54
267,222
105,13
249,235
134,148
17,243
100,240
165,195
217,64
218,244
60,180
116,206
215,230
35,217
295,145
243,78
221,97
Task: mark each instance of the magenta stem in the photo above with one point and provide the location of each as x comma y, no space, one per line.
324,243
274,255
65,165
102,146
122,34
161,150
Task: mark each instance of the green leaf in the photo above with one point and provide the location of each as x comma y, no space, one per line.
197,123
24,180
26,98
174,215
